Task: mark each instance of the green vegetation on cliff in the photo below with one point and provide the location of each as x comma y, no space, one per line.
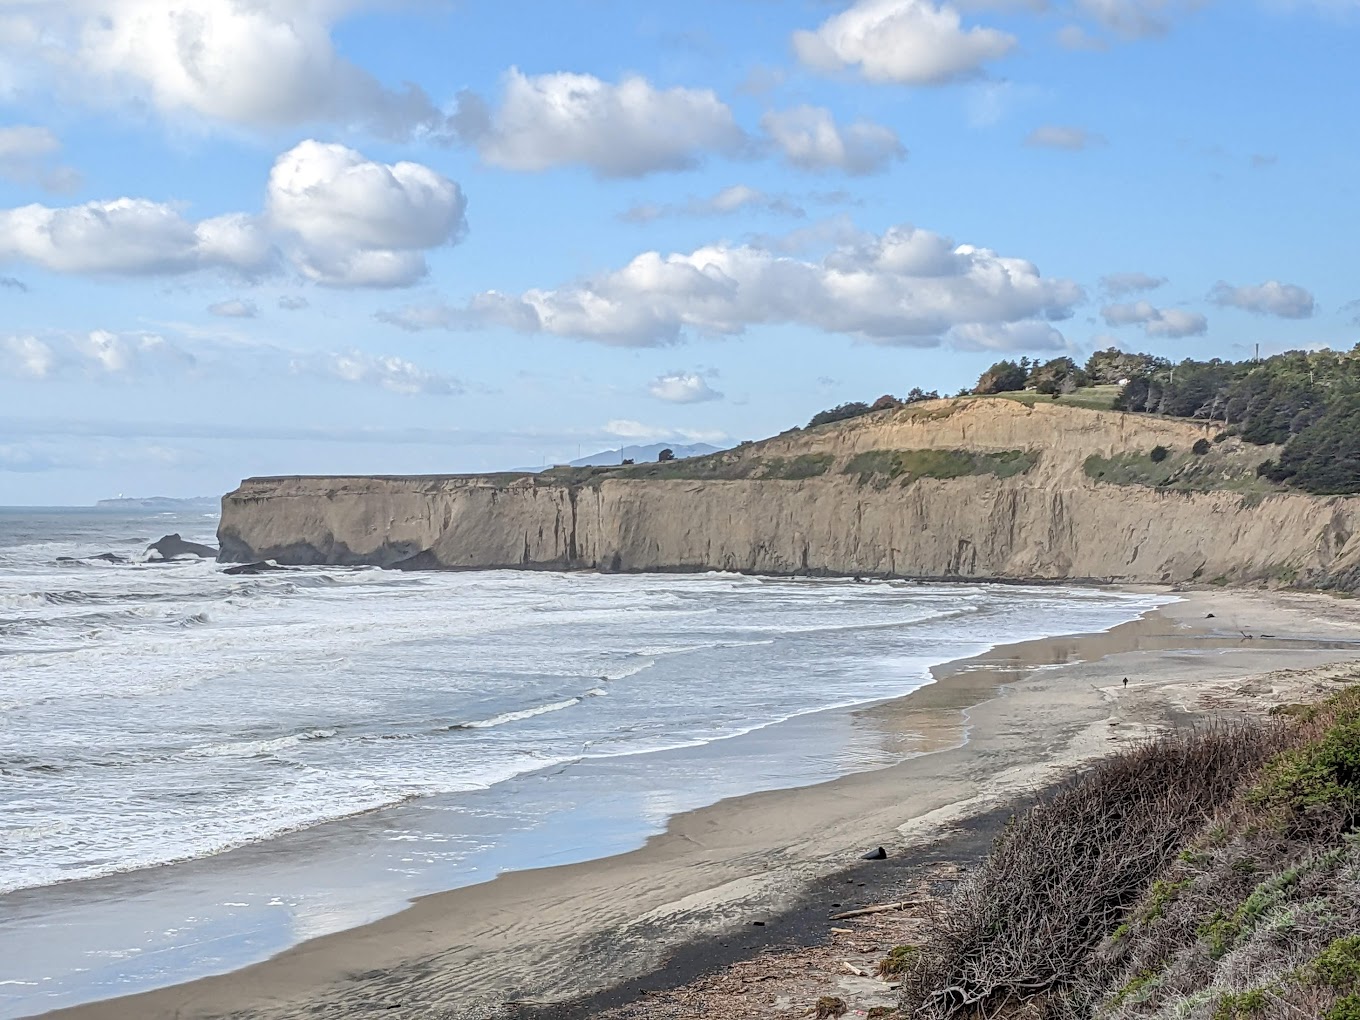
1213,875
1306,402
882,467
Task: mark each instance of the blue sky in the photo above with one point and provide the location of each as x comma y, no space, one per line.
248,237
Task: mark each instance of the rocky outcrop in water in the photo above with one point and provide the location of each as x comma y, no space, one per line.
971,488
172,547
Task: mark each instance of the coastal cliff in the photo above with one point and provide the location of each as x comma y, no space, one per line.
972,487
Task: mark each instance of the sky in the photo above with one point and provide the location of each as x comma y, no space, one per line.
257,237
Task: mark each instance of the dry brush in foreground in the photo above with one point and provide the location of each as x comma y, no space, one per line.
1211,875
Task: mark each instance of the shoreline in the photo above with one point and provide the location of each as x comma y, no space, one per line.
564,933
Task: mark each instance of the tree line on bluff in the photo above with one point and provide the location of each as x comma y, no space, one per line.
1306,402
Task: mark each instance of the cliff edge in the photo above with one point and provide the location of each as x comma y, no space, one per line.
973,487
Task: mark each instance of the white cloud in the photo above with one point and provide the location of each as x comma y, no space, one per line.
358,223
725,202
250,63
1284,300
683,388
293,302
139,356
810,138
636,431
909,42
27,357
234,308
27,156
385,371
342,220
96,354
1119,284
1159,322
627,129
1057,136
130,236
1007,336
907,286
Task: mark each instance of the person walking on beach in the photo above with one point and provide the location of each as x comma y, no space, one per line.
1126,683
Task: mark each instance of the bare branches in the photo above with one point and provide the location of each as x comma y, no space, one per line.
1065,875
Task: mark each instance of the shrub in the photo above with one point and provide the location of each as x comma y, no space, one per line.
1345,1009
1322,777
1200,448
897,961
1029,921
665,455
1338,966
1003,377
841,412
1159,454
887,402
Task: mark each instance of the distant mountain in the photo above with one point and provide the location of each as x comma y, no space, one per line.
644,454
160,503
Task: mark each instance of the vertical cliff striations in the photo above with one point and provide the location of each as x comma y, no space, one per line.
966,488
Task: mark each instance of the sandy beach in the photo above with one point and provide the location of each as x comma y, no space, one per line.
996,727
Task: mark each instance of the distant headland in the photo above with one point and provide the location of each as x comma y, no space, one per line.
161,503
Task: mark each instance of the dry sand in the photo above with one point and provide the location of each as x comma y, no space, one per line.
557,935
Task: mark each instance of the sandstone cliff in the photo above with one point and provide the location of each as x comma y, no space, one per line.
966,488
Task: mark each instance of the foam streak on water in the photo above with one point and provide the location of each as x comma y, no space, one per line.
152,713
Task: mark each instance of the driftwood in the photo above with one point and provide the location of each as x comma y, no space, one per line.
847,965
881,908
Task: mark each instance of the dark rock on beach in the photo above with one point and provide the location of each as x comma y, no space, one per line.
172,547
102,558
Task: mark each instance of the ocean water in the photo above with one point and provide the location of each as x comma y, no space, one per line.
153,714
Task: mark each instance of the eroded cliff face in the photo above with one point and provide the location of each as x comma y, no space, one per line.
1052,521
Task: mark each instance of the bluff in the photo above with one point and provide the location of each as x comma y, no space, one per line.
973,487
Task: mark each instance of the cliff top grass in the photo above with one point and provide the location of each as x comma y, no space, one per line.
1095,398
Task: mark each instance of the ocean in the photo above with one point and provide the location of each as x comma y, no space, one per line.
197,770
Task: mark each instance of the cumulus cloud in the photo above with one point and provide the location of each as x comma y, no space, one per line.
907,286
139,356
1158,322
1283,300
1119,284
130,236
341,219
1057,136
353,222
682,388
98,353
260,64
726,202
908,42
628,129
810,139
234,308
27,156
